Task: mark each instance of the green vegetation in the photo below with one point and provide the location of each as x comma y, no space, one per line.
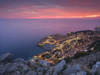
95,45
79,54
67,59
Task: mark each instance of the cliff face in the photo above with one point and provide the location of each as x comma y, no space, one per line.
85,65
8,66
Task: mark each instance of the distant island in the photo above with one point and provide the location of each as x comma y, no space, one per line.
76,53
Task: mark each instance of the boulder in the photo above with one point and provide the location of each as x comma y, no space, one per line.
41,70
72,69
30,72
50,71
15,73
18,66
5,58
73,74
59,67
45,63
3,68
96,69
81,73
21,60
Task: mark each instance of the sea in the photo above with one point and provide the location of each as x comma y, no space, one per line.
21,36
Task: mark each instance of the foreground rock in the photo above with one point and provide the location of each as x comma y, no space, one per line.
44,63
74,70
96,69
30,72
87,65
4,58
59,67
14,67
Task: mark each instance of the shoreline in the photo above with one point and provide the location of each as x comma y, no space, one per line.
78,35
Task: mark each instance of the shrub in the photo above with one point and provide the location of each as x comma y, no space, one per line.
67,59
79,54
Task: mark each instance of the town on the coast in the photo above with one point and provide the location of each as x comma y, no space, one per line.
61,46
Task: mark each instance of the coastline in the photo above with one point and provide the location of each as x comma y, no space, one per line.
82,62
59,41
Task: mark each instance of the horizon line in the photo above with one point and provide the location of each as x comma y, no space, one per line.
56,18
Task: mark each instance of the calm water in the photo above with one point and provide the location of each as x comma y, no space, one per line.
19,36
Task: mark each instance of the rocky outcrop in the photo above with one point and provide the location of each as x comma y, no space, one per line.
30,72
14,67
77,69
44,63
5,58
41,70
74,70
96,69
87,60
4,67
59,67
20,67
87,65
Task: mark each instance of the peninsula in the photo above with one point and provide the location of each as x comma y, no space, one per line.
60,47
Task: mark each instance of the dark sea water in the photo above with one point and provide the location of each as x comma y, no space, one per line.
20,36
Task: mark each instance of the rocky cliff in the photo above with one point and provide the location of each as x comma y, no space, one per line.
84,65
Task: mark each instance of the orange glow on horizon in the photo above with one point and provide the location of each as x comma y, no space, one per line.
54,17
47,14
31,9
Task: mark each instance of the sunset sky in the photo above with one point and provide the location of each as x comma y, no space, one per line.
30,9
